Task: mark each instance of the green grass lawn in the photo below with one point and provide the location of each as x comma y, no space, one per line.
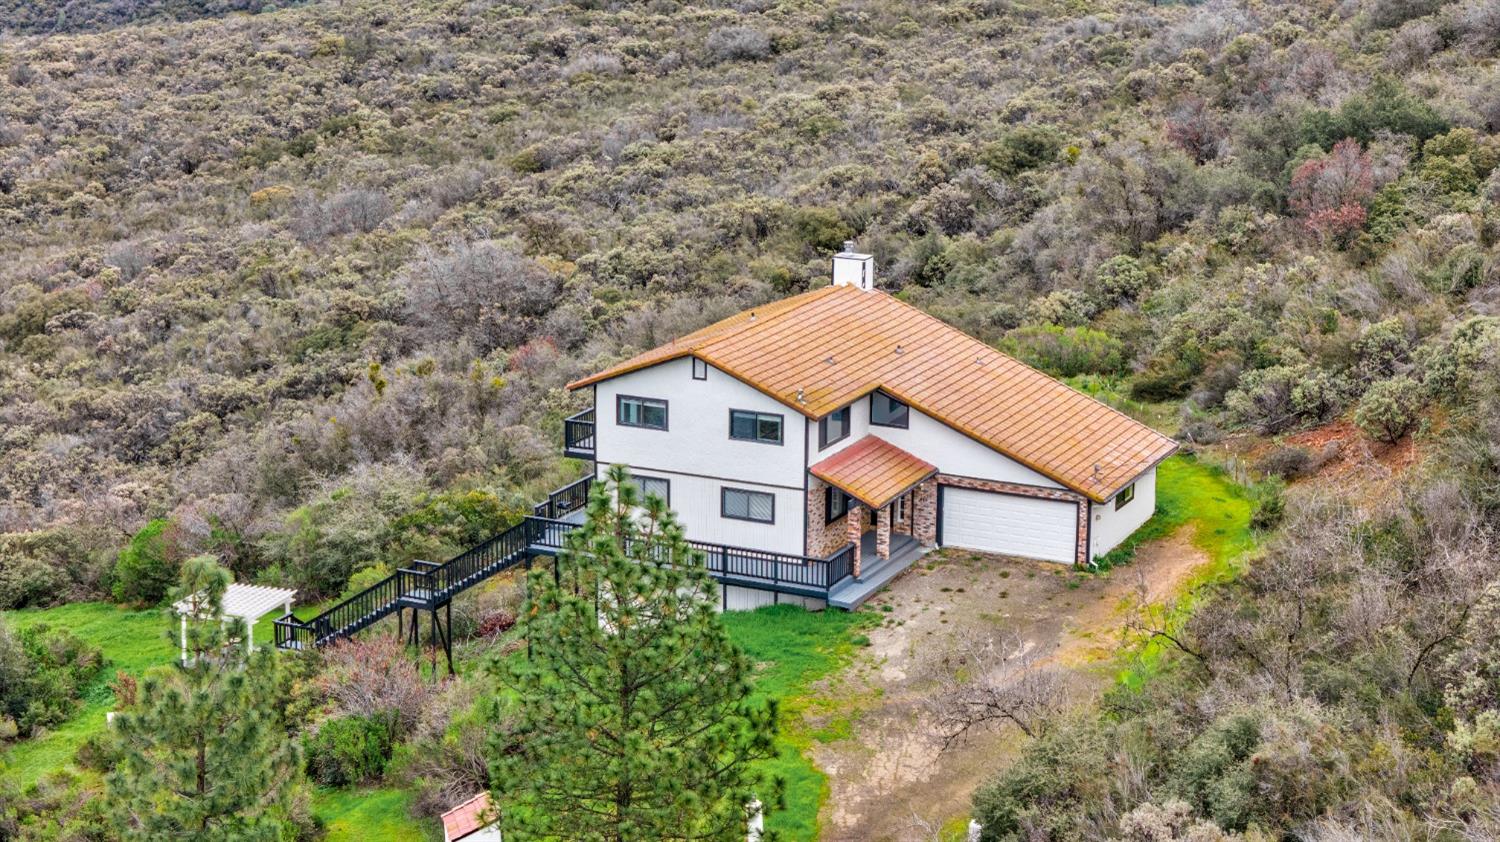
358,815
132,641
792,649
1196,495
135,641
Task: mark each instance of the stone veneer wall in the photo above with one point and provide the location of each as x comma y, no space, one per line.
1080,559
823,538
924,514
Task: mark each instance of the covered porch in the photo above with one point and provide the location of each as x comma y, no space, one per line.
887,499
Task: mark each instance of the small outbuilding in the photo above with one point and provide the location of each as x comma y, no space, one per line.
472,821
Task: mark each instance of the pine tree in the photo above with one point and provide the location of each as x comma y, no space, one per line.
205,755
633,717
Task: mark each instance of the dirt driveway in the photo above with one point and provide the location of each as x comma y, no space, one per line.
889,778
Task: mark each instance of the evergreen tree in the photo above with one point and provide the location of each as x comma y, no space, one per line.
205,756
633,720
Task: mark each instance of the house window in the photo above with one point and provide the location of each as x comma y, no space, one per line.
641,412
739,504
647,486
838,503
833,428
700,369
1125,496
886,411
763,427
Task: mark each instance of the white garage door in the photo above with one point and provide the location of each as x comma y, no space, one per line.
1009,524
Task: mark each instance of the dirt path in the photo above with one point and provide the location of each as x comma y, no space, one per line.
888,776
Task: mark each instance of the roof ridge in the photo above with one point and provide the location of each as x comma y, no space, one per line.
777,313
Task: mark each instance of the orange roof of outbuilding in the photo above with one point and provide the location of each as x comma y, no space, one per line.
468,817
873,471
821,350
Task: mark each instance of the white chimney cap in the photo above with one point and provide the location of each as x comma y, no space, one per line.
850,268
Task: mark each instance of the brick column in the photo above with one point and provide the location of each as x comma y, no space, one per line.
883,532
855,526
924,514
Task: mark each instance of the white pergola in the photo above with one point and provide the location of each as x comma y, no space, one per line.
247,602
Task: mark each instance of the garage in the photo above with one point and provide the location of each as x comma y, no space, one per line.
1007,524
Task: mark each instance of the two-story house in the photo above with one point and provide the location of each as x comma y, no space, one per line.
845,424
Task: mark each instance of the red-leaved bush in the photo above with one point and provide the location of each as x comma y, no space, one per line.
1331,193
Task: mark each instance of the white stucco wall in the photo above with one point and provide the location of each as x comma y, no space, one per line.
1108,526
933,441
697,456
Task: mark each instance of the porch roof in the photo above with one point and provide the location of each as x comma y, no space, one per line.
873,471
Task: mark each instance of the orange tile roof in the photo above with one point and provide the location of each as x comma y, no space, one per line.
838,343
468,817
873,471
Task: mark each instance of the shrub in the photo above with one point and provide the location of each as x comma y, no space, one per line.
1332,193
1022,148
737,43
1381,350
1066,351
1288,462
1389,408
348,750
821,229
375,678
1060,307
1269,499
1053,787
1263,398
147,566
43,672
1386,106
1120,278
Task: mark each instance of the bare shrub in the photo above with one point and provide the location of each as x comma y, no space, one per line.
484,292
595,64
446,759
1479,21
737,43
375,677
358,210
986,681
1413,44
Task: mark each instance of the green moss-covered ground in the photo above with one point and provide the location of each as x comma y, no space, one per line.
363,815
132,641
1192,494
792,650
135,641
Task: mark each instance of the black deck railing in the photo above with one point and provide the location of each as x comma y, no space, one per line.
426,585
578,435
566,500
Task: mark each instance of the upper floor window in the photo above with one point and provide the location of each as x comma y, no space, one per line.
700,369
742,504
834,427
641,412
1125,496
886,411
763,427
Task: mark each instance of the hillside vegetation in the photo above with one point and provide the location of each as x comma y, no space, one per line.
301,289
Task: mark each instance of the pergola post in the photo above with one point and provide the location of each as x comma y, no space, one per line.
184,640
